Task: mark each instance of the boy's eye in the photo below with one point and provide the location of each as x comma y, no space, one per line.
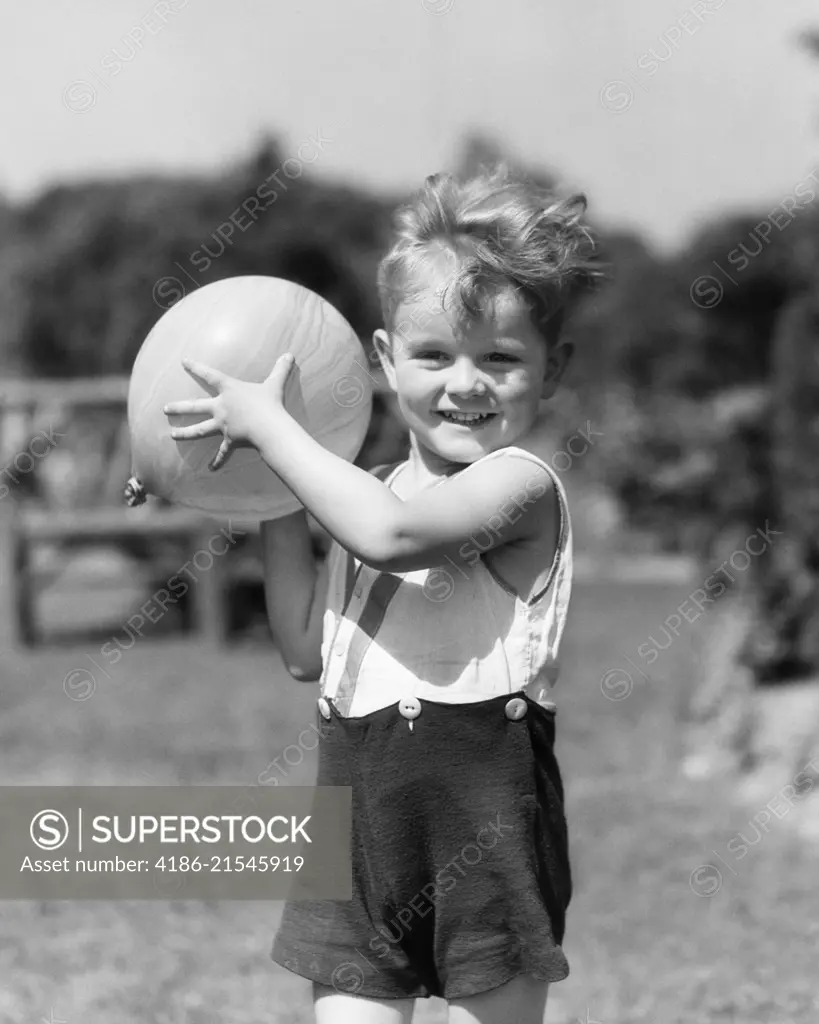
430,353
503,357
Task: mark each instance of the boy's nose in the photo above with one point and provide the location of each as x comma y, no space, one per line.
465,380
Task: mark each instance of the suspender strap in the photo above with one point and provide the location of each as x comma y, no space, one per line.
370,616
350,572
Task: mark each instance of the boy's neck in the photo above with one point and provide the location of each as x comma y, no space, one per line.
426,466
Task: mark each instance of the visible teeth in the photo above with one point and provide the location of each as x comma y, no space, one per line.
463,417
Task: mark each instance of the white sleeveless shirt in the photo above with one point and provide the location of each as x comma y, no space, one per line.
455,633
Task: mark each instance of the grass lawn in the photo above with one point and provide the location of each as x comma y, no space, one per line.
642,945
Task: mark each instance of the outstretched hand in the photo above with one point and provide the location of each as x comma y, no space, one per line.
237,410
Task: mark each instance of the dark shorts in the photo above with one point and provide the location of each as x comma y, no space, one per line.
459,853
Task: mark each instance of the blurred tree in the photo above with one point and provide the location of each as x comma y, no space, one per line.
84,272
735,283
810,41
783,643
656,361
766,451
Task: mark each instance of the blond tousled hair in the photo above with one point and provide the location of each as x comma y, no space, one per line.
502,231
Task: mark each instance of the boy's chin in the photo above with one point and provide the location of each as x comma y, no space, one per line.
468,449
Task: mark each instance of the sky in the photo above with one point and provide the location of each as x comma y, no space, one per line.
663,112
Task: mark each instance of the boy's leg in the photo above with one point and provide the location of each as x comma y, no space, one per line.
520,1001
334,1007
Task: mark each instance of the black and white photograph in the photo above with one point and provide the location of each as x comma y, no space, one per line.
409,512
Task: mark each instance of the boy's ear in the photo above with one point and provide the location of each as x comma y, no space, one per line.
383,349
559,358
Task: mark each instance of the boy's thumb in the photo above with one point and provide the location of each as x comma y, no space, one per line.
282,367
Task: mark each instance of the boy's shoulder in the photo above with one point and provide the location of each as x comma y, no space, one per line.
537,446
538,441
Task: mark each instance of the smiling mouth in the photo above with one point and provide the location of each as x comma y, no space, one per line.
468,419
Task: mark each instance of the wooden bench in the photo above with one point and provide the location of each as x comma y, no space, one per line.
21,529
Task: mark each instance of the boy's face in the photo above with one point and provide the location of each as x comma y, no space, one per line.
440,365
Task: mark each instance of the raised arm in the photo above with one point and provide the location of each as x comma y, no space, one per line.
295,592
505,497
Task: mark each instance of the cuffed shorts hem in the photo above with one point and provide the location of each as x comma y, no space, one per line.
349,978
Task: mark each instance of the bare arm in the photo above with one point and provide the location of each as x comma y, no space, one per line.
358,511
295,593
390,535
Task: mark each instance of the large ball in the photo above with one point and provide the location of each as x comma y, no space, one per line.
241,326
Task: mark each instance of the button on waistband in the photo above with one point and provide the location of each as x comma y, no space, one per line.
515,708
410,707
324,708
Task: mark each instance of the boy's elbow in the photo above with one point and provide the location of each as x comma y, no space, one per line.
380,558
400,553
380,563
305,674
387,553
302,662
304,667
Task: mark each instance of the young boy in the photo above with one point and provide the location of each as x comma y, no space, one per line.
435,623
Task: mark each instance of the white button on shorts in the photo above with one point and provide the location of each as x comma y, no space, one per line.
410,707
515,708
